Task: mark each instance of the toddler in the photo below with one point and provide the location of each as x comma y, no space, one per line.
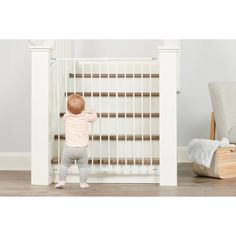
77,139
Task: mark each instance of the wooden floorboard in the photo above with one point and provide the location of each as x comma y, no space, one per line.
17,183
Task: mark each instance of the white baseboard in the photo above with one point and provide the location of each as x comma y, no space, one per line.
21,160
15,161
182,153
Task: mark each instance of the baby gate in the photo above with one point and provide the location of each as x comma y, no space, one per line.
134,138
124,141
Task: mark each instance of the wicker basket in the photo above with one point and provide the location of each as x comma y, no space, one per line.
223,165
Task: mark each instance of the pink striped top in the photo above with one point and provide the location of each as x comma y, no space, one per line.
77,128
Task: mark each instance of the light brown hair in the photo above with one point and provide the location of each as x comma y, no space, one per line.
75,104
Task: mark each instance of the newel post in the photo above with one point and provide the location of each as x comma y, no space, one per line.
168,69
41,108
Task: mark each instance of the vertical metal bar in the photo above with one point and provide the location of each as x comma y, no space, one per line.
100,114
58,115
109,138
82,74
125,90
142,111
133,80
74,71
92,101
117,84
64,48
64,61
82,79
64,55
150,113
66,84
58,106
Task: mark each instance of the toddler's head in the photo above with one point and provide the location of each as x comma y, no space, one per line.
75,104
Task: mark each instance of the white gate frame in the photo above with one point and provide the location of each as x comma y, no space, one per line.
41,108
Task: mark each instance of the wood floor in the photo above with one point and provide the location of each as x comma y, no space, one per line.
17,183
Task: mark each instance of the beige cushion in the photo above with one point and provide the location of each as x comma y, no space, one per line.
223,98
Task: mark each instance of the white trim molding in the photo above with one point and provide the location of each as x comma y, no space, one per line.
15,161
22,160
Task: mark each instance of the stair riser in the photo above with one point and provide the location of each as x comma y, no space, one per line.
113,125
109,104
110,85
125,149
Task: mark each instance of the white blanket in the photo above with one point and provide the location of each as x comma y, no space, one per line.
201,151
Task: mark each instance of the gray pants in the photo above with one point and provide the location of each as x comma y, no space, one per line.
69,154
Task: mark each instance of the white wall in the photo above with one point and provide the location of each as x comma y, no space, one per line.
203,61
14,96
117,48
